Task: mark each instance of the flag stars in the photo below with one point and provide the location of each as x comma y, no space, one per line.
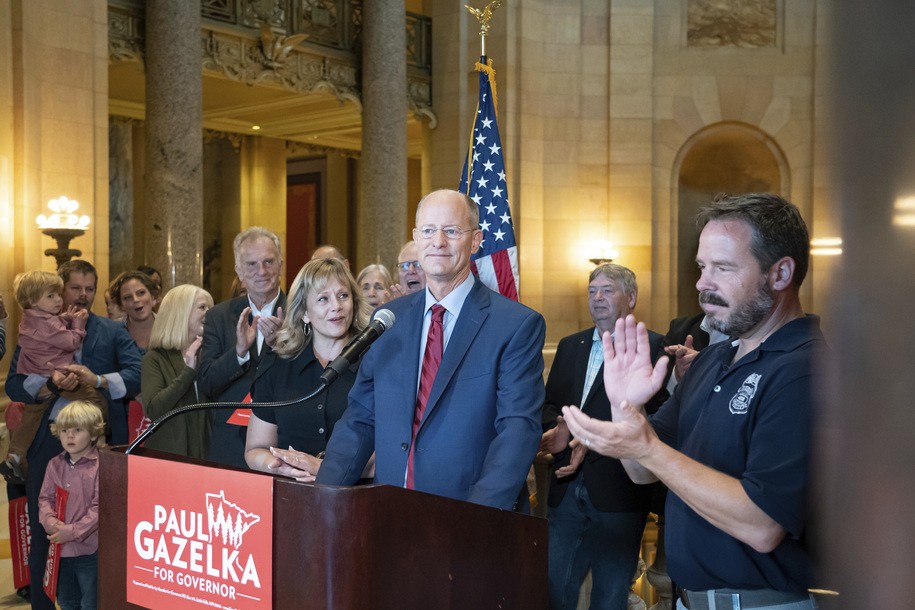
488,166
484,226
497,192
506,218
490,209
494,149
481,139
502,176
482,182
486,123
499,235
477,199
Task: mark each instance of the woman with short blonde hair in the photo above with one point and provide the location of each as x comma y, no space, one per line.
169,376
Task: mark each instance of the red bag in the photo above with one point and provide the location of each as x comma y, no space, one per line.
14,415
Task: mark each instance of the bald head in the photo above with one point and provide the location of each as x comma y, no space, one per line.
328,251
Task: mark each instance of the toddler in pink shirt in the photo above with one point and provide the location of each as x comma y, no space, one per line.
48,340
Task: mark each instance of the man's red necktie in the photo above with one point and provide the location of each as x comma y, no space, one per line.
432,358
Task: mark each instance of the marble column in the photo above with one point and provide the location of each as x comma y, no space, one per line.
120,195
383,203
174,144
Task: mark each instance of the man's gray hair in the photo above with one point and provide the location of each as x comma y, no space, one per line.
251,234
623,276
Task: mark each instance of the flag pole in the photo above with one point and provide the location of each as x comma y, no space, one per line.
483,16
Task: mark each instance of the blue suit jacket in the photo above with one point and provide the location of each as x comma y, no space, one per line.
481,427
107,348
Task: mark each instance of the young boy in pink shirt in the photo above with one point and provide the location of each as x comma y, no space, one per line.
80,428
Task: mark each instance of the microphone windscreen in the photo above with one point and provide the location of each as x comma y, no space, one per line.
386,317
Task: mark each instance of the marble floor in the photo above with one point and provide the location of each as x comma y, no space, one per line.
8,598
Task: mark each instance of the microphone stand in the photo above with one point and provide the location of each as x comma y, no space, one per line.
220,405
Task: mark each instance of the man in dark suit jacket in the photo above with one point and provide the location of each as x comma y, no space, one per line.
109,360
596,513
237,335
478,432
686,337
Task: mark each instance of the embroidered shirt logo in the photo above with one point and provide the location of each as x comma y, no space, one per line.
741,400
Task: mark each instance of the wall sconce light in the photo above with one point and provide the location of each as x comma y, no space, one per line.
63,225
826,246
603,253
904,211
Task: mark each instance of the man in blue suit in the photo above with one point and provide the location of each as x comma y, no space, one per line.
108,360
478,431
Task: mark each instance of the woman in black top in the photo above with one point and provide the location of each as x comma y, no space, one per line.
325,311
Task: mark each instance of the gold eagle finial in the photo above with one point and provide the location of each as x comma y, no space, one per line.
484,15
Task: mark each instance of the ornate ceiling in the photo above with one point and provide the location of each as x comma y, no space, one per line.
262,82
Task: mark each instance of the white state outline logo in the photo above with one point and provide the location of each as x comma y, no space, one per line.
227,521
740,402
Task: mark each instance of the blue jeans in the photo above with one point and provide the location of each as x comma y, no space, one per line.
77,582
583,537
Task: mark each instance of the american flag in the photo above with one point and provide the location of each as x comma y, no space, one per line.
483,179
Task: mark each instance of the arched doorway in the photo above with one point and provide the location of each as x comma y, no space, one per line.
722,158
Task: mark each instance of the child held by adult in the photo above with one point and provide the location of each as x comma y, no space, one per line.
48,340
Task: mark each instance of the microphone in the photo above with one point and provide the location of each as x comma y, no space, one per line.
383,320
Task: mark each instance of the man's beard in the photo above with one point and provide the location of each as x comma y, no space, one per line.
745,316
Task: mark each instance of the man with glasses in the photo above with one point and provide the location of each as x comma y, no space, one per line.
466,424
236,336
410,274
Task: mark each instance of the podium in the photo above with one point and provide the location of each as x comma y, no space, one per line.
371,546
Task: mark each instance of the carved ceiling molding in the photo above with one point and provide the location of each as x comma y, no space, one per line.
298,149
125,120
270,59
419,97
124,40
235,139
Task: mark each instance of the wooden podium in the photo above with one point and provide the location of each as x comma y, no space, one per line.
372,546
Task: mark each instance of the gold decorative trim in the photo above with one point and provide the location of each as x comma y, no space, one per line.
295,149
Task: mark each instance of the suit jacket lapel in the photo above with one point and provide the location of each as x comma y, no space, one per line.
412,321
473,313
92,336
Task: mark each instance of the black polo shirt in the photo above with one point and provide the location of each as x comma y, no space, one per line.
751,420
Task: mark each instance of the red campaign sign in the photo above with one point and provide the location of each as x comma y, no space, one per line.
241,417
52,564
198,536
20,538
137,422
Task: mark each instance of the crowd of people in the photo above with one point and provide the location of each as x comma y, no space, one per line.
451,400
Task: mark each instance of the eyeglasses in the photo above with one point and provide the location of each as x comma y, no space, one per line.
450,232
405,266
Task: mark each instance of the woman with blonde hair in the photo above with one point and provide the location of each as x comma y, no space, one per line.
168,378
325,311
